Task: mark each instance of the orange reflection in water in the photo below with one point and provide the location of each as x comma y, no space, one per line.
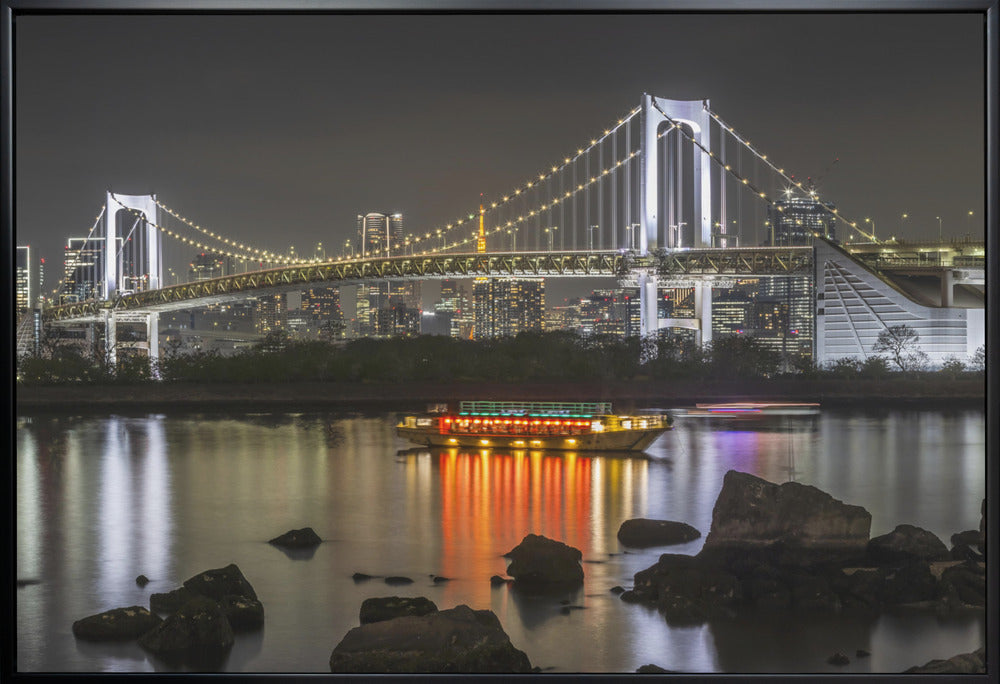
490,501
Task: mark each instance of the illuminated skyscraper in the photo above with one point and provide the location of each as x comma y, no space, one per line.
28,281
795,220
380,234
505,307
83,269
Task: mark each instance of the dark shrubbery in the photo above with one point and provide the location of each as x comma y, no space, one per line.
530,356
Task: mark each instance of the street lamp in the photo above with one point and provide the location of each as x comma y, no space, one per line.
868,220
348,248
513,240
551,231
902,223
968,221
677,233
939,228
591,236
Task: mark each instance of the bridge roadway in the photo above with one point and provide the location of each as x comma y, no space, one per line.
743,262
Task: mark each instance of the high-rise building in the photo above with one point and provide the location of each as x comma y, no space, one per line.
795,220
28,279
454,302
208,265
380,234
505,307
83,268
269,313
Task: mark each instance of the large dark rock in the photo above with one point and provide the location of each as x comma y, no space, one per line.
686,590
540,560
905,544
389,607
198,634
221,582
964,584
910,583
966,545
965,663
807,523
860,589
652,669
116,625
297,539
170,601
459,640
642,532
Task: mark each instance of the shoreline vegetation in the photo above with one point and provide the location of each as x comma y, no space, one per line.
411,372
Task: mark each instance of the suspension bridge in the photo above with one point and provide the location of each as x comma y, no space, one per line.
667,196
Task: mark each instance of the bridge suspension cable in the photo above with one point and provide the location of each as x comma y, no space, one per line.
781,172
62,281
518,191
746,181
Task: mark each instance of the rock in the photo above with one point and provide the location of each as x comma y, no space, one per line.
965,663
170,601
642,532
631,596
197,634
243,613
361,577
963,552
968,538
221,582
398,580
142,580
459,640
687,590
861,653
297,539
438,579
617,589
966,582
863,589
911,583
813,592
27,582
389,607
540,560
116,625
497,580
838,658
652,669
754,513
907,543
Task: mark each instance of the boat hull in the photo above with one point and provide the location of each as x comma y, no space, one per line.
619,440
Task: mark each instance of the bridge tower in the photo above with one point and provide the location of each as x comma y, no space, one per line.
150,263
693,114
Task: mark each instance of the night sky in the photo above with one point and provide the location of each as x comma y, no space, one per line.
279,130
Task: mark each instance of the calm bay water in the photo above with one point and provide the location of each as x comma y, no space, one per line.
101,500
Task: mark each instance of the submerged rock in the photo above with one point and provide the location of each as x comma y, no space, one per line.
170,601
540,560
116,625
389,607
398,580
685,589
297,539
221,582
965,663
652,669
243,613
459,640
142,580
642,532
838,658
198,634
905,544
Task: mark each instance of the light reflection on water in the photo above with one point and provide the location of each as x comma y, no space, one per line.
101,500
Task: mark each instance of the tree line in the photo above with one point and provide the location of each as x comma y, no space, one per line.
530,356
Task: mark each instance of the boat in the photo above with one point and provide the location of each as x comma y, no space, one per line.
534,425
748,409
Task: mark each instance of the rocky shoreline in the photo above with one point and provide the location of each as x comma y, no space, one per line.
788,547
234,396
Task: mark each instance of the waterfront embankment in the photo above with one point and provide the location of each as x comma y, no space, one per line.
931,392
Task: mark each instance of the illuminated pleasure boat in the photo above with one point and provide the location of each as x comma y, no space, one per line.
569,426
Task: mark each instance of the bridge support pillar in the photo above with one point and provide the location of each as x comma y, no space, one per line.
110,338
948,287
153,340
703,310
648,324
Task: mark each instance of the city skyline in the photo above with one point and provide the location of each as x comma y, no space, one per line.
283,145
